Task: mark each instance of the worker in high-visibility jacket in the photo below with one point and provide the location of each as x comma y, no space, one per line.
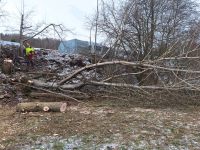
29,51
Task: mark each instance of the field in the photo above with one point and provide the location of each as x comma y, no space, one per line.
102,124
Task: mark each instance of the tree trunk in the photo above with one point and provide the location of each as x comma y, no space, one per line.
41,106
21,36
8,66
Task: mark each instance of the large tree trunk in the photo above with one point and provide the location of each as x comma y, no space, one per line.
41,106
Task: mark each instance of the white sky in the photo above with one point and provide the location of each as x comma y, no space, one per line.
71,13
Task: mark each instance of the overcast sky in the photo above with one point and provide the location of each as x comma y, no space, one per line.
71,13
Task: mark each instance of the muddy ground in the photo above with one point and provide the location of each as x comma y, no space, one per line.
102,124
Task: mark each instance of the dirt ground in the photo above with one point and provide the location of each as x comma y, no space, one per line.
102,125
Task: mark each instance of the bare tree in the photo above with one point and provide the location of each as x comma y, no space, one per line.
26,26
148,29
147,25
29,30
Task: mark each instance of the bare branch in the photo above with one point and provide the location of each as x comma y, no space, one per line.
135,64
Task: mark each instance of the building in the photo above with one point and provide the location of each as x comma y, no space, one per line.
8,43
73,46
76,46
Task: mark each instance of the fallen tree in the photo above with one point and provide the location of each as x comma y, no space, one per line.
48,91
168,88
54,97
144,65
39,83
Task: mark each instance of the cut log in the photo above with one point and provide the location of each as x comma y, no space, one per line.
41,106
7,66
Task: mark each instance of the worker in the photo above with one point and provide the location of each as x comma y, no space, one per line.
29,53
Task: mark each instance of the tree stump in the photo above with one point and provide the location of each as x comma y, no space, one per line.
7,66
41,106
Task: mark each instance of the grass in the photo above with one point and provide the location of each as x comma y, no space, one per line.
100,123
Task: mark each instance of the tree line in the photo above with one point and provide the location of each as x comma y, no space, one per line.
47,43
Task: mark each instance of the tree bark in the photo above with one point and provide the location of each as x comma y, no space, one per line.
41,106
